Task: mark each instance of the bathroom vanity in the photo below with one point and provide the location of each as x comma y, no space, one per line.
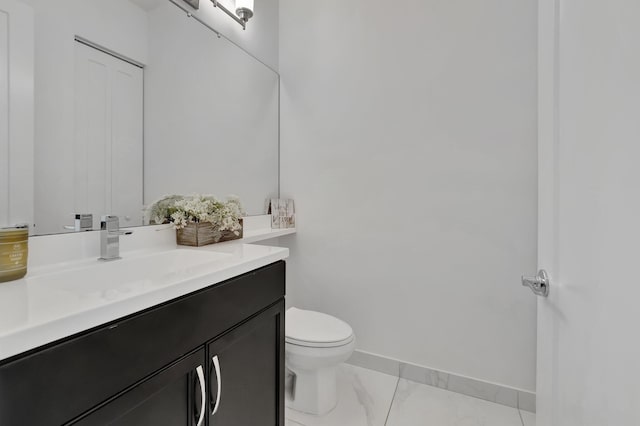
207,350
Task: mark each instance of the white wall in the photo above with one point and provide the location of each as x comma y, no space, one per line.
16,113
115,24
211,115
261,36
409,145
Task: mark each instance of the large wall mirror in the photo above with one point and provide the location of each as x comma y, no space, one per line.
132,100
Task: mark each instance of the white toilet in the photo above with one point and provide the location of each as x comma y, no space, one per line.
316,344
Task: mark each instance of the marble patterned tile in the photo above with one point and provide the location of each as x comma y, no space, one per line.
466,386
364,398
460,384
483,390
375,362
528,418
424,375
527,401
288,422
417,404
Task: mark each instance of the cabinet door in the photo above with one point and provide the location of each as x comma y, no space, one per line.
174,396
246,372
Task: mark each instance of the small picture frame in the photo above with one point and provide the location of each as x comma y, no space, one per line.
282,213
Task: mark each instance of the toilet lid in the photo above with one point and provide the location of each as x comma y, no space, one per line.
315,329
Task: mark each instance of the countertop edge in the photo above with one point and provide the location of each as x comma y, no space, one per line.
40,335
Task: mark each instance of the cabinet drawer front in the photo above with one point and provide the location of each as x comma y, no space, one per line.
67,379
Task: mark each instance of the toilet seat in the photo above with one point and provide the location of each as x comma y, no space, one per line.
316,330
319,344
316,344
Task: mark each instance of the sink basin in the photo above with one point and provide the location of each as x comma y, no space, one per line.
121,278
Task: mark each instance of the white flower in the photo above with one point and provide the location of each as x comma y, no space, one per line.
182,210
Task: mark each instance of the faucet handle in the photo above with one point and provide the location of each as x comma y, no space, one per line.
83,222
111,223
110,238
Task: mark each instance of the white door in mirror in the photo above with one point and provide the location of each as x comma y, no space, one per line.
109,131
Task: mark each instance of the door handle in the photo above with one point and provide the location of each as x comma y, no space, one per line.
203,395
538,284
216,366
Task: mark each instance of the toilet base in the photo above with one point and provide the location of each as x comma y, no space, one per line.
313,391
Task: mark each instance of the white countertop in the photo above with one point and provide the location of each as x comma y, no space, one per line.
265,234
59,300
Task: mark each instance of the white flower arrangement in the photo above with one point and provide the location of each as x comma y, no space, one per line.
182,210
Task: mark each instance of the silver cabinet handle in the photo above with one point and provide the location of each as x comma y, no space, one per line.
216,366
203,395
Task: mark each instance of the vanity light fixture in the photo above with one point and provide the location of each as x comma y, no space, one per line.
244,10
193,3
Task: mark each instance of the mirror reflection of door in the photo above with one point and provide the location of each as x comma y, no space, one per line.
108,136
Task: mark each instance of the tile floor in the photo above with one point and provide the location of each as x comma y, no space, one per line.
528,419
370,398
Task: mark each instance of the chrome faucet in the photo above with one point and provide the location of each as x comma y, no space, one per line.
110,238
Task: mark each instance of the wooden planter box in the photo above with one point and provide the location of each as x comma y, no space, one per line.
198,234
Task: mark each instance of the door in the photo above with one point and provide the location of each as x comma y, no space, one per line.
175,396
589,205
16,112
109,132
246,373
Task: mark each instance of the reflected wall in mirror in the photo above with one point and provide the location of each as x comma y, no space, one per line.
211,115
16,112
133,100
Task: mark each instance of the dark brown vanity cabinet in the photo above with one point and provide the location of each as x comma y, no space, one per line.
245,389
211,358
170,397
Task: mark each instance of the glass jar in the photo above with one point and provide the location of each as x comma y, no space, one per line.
14,250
